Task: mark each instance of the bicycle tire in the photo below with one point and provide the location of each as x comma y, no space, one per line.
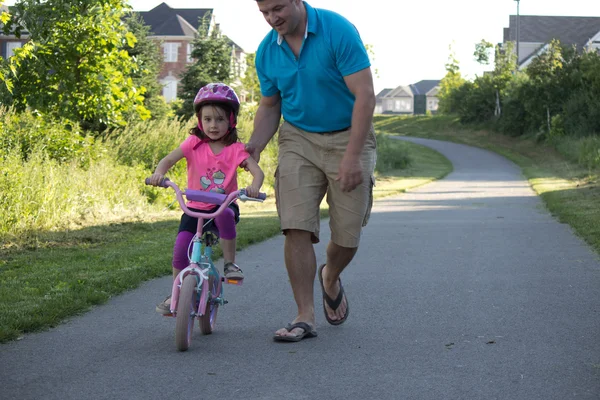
209,319
186,311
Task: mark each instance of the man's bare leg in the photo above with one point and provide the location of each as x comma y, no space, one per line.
301,264
338,258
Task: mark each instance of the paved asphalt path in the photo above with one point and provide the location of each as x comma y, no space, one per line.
465,288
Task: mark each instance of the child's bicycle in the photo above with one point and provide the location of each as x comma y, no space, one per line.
198,289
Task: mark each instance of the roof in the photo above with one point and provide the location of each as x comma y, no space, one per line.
542,29
383,93
400,91
423,87
164,20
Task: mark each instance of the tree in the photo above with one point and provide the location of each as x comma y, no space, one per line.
371,53
449,84
505,66
482,52
8,67
211,53
78,69
544,72
4,66
146,54
250,80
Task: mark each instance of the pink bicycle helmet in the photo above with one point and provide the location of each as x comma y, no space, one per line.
215,93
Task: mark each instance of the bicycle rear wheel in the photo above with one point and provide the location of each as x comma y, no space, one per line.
208,320
186,311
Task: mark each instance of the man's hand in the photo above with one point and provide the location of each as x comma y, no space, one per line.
254,153
350,174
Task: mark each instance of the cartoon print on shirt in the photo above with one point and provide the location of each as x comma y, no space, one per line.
205,182
215,179
218,177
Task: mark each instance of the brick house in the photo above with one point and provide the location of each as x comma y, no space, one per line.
8,43
175,29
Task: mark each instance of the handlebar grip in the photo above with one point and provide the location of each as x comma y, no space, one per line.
261,195
163,182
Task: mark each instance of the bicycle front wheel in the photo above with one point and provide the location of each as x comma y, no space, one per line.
208,320
186,312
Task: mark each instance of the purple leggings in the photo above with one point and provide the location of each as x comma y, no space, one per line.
225,223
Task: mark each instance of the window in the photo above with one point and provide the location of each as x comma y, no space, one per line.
10,48
169,89
432,104
403,105
171,51
189,53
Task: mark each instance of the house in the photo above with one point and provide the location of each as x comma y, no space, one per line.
379,100
536,32
425,95
417,98
8,43
175,29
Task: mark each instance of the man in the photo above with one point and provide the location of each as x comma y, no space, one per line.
314,70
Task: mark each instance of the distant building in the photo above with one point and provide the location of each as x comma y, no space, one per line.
537,31
8,43
175,29
414,99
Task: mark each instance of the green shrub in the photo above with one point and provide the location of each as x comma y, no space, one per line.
147,142
27,132
391,154
40,193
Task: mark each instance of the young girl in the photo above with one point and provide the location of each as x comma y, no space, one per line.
213,154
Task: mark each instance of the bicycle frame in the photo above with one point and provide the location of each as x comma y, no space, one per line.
201,264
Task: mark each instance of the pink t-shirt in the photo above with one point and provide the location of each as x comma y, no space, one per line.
211,172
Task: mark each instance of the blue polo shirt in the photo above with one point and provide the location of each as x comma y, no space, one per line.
314,96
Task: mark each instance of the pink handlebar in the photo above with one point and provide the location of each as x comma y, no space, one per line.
205,197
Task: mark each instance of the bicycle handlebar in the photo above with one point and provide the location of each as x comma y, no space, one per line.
206,197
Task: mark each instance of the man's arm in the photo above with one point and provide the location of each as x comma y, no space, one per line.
361,85
266,123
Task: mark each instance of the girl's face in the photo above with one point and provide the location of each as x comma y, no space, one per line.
215,123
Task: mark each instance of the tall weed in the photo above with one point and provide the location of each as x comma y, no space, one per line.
583,150
147,142
391,155
59,140
40,193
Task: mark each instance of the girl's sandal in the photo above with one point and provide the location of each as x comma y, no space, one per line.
232,271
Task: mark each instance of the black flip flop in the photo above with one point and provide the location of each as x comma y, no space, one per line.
309,332
333,304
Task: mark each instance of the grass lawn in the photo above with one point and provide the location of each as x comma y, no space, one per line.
570,191
61,274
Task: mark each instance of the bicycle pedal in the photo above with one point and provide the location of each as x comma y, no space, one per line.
238,282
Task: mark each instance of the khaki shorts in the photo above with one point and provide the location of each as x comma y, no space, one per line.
307,169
